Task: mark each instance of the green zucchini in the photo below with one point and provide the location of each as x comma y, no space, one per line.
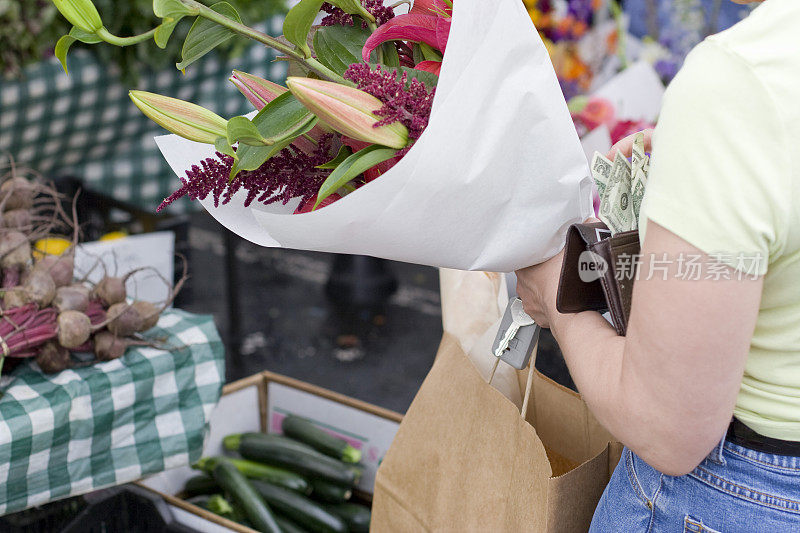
288,526
324,491
253,470
305,431
200,484
218,505
235,484
356,516
299,509
295,456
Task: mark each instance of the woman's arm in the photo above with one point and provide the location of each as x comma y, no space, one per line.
668,389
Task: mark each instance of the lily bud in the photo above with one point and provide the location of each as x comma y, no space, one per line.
347,110
257,90
81,13
185,119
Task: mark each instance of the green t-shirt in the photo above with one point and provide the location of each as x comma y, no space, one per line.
725,177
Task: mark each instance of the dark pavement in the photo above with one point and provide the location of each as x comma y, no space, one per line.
285,323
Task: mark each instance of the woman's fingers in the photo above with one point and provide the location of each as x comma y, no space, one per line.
626,145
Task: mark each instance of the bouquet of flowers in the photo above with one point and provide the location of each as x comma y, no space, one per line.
437,136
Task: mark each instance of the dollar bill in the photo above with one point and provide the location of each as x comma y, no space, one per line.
637,154
639,168
615,204
601,172
637,192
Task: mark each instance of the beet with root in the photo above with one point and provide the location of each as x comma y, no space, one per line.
40,287
61,267
15,297
124,320
74,329
15,250
111,290
72,298
53,358
108,346
148,313
17,193
17,219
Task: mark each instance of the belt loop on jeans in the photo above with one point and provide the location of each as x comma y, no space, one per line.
716,454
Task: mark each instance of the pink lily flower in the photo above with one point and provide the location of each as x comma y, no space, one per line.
257,90
260,92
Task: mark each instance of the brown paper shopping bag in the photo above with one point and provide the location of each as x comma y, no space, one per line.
465,460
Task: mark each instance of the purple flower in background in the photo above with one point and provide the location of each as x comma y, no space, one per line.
667,68
581,9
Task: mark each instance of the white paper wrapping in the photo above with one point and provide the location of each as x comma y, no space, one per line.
492,184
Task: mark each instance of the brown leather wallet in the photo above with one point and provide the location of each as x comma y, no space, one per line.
598,272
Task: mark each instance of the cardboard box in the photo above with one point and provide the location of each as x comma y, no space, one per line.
259,403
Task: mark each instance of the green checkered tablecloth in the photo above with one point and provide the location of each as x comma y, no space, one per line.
83,124
109,423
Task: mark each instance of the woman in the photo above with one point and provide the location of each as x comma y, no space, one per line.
724,186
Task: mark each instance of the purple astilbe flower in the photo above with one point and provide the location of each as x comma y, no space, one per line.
290,174
337,17
406,102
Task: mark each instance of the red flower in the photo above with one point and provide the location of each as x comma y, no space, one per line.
428,22
307,205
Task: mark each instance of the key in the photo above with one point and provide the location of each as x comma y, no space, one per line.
519,319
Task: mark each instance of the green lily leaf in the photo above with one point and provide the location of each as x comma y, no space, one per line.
171,12
206,35
344,153
241,129
352,167
429,53
64,43
171,8
61,49
338,47
417,52
298,22
280,122
80,13
223,146
391,58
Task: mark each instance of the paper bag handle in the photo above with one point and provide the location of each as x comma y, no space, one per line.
528,384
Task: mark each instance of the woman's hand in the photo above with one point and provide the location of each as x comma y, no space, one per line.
625,145
537,287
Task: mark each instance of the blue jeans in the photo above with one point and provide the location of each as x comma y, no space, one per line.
733,490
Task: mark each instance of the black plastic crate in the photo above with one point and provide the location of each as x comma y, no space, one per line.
126,509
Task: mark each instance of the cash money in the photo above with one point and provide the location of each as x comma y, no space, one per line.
639,167
620,185
618,208
601,172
